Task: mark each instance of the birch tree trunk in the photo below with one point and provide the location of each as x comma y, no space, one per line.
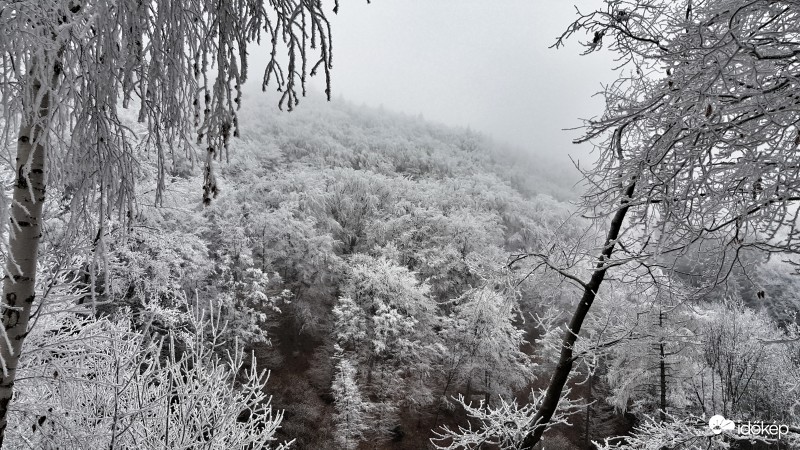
19,282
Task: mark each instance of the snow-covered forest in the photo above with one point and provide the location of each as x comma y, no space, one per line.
190,265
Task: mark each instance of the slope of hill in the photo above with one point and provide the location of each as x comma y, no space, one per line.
369,249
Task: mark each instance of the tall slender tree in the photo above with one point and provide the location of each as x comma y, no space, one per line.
68,66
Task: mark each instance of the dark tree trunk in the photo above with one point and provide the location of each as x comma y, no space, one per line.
566,360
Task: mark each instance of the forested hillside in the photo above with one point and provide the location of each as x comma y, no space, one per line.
363,255
372,262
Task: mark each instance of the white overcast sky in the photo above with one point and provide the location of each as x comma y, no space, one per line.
479,63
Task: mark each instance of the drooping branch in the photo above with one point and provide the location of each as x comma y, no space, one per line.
68,67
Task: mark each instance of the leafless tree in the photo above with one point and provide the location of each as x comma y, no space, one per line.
698,146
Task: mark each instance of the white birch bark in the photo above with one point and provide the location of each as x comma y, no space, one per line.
25,232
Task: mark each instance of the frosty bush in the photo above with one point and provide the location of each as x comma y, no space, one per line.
90,382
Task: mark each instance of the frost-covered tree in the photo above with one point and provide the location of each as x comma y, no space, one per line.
746,365
384,326
654,338
483,345
697,146
352,411
67,67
